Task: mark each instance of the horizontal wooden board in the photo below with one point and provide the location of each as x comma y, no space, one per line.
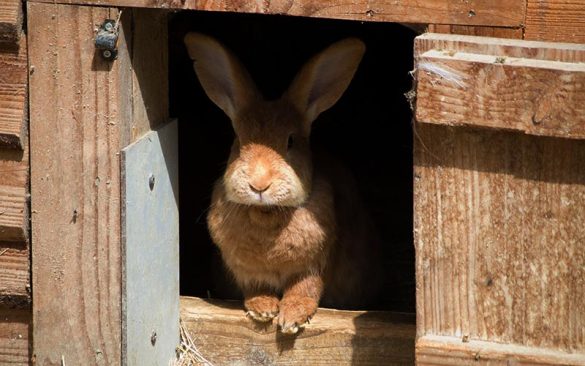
491,89
14,221
498,32
224,336
473,12
555,20
537,50
15,337
14,276
10,21
435,351
13,90
499,236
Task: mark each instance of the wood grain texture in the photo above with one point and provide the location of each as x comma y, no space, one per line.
499,237
13,92
14,276
225,336
555,20
434,350
79,104
457,86
10,21
150,80
14,223
15,337
474,12
498,32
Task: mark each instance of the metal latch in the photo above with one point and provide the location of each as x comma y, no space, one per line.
106,39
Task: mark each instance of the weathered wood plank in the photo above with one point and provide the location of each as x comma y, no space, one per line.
436,350
550,51
13,90
14,213
499,237
150,79
79,104
15,337
541,97
14,276
475,12
225,336
555,20
498,32
10,21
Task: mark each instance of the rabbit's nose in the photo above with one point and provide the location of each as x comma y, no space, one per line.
259,188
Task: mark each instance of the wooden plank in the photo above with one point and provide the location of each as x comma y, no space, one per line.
474,12
498,32
15,337
14,276
540,97
435,350
150,252
499,237
224,336
150,79
549,51
13,90
14,211
555,20
10,21
79,105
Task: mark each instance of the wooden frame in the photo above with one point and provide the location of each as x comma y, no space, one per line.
84,110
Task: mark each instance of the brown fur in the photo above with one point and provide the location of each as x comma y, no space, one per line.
288,222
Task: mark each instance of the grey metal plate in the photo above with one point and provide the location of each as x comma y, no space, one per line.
150,249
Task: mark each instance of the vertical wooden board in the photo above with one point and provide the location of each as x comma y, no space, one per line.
15,337
555,20
499,236
13,90
10,21
150,272
76,113
149,64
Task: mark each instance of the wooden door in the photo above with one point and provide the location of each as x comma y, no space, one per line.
499,186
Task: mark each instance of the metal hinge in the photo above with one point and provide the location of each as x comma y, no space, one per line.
106,39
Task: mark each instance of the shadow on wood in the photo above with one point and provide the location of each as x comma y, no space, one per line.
224,335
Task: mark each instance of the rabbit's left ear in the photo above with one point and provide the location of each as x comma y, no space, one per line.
324,78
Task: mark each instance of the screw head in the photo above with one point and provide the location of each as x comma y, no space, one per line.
151,181
109,26
107,53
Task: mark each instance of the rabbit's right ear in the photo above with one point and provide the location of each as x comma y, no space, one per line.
225,81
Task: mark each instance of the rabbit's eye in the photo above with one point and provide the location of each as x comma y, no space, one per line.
290,142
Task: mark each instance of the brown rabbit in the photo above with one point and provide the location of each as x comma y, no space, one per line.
288,222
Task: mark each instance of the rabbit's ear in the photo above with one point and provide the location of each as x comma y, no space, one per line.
324,78
225,81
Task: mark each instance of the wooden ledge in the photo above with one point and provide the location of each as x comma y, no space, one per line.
224,335
439,350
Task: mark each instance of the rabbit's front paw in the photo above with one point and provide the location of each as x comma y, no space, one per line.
262,308
295,312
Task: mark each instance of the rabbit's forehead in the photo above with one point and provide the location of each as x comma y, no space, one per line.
269,121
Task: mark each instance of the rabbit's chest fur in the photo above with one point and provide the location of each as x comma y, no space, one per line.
269,246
